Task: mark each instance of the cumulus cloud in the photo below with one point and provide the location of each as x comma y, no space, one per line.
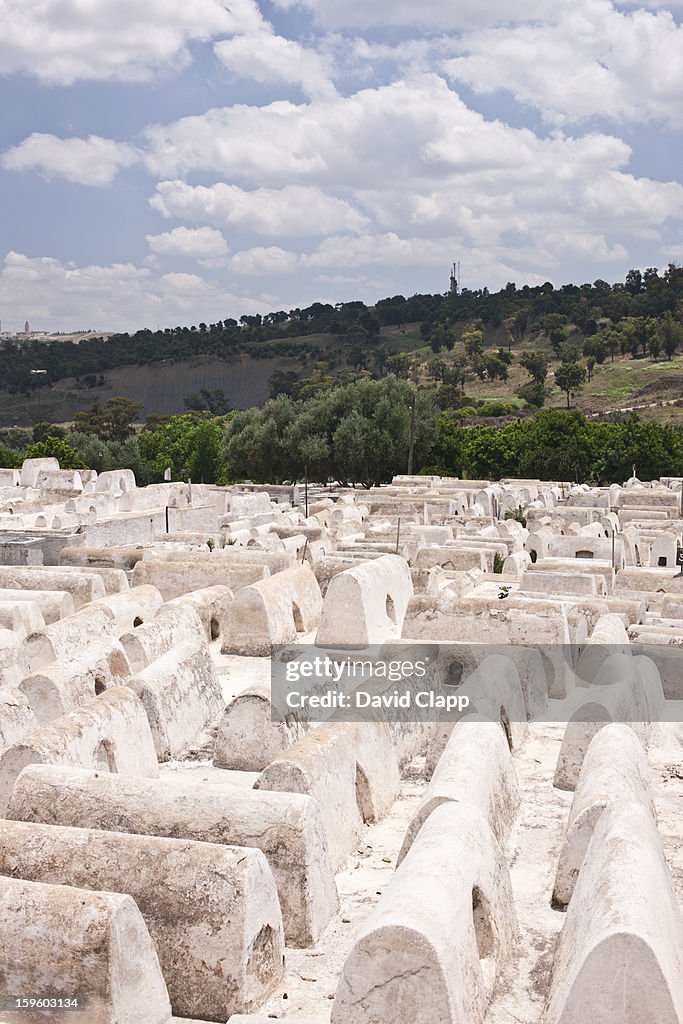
427,14
269,58
64,296
586,61
90,161
62,41
206,245
415,162
295,210
264,260
412,130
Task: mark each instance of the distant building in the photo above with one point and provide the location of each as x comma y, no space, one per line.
27,329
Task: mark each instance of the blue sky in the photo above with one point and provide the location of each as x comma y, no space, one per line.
178,161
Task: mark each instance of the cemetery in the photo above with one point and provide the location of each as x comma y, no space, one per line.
496,839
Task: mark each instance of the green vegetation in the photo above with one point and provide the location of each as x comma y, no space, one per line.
558,445
354,433
476,329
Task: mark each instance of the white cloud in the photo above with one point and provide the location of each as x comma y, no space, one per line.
269,58
64,296
206,245
586,61
296,210
427,14
416,163
413,130
62,41
264,260
90,161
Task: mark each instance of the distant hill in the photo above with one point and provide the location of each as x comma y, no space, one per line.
631,323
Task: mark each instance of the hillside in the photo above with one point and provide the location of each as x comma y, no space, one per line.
624,341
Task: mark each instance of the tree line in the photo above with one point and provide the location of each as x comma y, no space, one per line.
649,296
359,433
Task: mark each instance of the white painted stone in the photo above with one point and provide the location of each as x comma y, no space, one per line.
135,606
212,911
70,681
20,617
433,946
17,717
620,953
366,604
53,605
248,739
83,587
626,690
272,611
614,770
350,768
13,660
181,696
57,939
174,578
287,827
109,733
69,635
212,605
476,767
174,624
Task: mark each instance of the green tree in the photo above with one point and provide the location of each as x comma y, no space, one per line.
473,340
56,448
496,367
672,335
10,458
114,422
536,365
556,445
569,378
357,433
189,444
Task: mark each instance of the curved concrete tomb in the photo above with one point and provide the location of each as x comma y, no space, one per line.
432,947
248,739
13,661
17,717
351,770
20,617
609,637
181,696
175,578
110,733
272,611
495,694
173,625
57,939
287,827
619,955
83,586
475,768
53,604
614,770
62,639
212,605
68,682
212,911
626,689
132,607
366,604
